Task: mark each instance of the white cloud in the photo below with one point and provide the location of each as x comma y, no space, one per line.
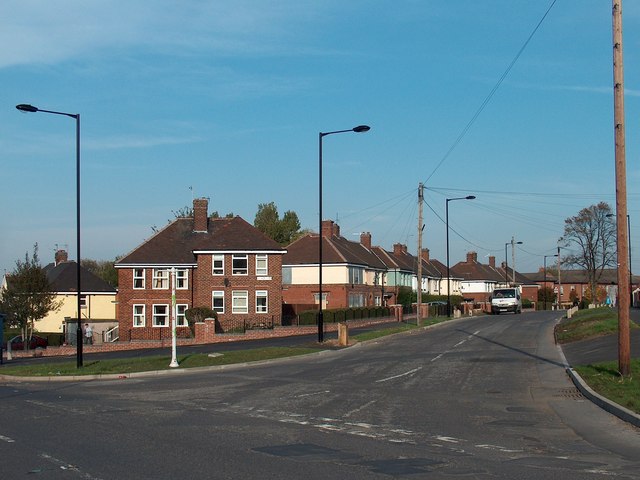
45,32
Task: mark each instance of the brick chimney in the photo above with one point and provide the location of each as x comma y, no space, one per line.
61,256
365,240
200,214
330,229
425,254
492,261
399,249
472,257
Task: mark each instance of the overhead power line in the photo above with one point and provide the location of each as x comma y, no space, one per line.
488,98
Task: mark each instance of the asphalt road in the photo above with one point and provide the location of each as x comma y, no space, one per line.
602,349
481,398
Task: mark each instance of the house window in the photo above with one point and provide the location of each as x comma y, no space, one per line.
356,275
261,266
356,300
161,315
182,279
217,303
139,318
240,265
240,301
218,264
181,318
138,278
261,301
316,297
160,279
286,276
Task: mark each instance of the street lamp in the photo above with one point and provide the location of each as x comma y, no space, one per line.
506,262
321,135
545,277
30,108
469,197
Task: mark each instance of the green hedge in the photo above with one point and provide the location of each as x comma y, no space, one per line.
336,315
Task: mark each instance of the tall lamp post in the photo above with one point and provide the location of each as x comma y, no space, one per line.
469,197
30,108
321,135
545,277
506,262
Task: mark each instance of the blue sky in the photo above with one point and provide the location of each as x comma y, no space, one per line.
225,100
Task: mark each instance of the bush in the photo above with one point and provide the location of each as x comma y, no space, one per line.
199,314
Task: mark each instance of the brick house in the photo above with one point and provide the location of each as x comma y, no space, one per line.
225,264
353,275
479,280
402,270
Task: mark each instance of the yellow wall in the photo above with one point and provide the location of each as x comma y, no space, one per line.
98,307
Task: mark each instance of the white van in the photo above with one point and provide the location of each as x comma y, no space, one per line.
506,300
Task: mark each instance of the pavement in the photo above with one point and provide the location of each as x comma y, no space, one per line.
598,350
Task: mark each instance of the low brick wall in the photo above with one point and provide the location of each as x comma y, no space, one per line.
205,334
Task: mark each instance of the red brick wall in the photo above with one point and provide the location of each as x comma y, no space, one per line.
201,285
337,295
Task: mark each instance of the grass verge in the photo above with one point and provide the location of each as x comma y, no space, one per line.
589,323
145,364
605,379
125,366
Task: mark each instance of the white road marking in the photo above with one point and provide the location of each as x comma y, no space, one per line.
461,342
7,439
410,372
359,409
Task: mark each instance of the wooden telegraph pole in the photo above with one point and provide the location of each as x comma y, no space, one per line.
624,347
420,227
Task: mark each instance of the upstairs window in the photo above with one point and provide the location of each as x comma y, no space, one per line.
218,264
138,278
240,264
160,279
182,279
356,275
262,268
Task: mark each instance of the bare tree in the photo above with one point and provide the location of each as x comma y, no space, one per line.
593,233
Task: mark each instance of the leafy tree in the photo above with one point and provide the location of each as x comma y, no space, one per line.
28,296
547,294
105,269
268,221
593,233
217,215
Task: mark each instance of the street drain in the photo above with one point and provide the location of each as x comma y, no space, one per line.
570,394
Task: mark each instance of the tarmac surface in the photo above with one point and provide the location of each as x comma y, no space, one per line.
602,349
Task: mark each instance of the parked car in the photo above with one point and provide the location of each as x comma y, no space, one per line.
17,343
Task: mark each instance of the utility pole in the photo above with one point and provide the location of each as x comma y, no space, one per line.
624,347
420,228
513,260
559,281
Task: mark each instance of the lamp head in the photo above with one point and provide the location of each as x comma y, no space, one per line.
361,128
470,197
24,107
